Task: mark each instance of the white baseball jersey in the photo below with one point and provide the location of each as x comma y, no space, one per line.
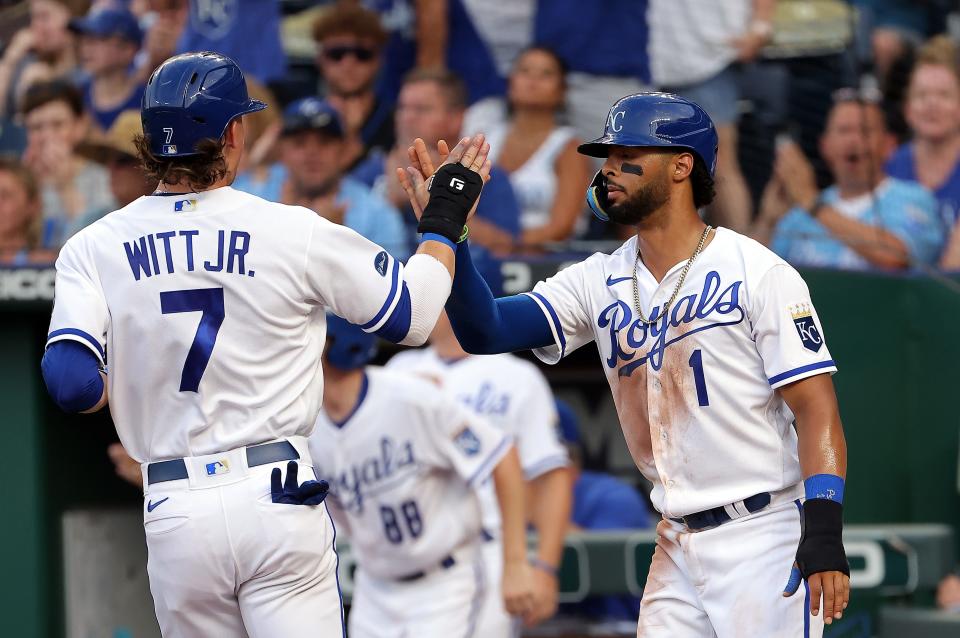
508,391
402,471
695,391
210,308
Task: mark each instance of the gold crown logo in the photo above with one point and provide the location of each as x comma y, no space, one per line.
801,310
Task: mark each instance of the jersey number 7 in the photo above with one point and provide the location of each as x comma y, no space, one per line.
208,301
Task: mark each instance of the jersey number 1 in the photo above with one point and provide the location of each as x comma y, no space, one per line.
696,362
209,302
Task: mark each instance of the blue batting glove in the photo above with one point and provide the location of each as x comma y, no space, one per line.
794,582
290,492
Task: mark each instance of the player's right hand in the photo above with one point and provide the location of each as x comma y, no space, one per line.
290,492
518,589
415,180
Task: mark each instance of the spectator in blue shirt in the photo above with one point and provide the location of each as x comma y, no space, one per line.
109,42
600,502
431,106
246,30
310,174
932,157
865,220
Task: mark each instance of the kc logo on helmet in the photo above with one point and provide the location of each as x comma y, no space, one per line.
616,121
803,318
457,183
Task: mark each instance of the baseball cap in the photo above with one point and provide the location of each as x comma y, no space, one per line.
108,22
311,114
117,143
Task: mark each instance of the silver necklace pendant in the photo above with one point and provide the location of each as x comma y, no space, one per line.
676,290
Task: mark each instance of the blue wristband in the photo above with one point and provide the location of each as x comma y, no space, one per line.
439,238
825,486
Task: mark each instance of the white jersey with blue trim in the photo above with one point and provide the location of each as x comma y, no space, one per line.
696,390
508,391
209,309
403,468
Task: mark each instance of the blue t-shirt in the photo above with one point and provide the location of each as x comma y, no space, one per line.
106,118
467,53
246,30
602,37
902,165
367,213
905,209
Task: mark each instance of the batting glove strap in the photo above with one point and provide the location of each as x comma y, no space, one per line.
453,192
821,538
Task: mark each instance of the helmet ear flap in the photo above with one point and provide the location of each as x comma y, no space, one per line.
597,196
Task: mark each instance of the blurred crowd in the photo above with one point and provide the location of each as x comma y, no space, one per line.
870,180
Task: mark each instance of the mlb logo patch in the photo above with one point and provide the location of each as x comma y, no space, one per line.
185,205
380,263
218,467
169,149
467,441
803,319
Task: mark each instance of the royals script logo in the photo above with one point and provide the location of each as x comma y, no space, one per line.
390,464
718,305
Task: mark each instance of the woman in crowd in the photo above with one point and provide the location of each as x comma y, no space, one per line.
540,155
932,158
19,212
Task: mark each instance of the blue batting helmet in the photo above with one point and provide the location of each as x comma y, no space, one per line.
348,347
192,97
652,120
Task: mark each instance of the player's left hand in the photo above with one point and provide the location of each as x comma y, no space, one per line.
517,584
546,589
834,587
291,492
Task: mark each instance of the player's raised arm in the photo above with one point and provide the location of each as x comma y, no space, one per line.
362,283
483,324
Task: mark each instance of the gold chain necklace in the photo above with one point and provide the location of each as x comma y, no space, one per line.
676,290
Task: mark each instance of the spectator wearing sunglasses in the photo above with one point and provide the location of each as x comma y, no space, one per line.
866,219
349,41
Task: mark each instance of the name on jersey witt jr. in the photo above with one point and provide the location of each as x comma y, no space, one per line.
167,252
618,317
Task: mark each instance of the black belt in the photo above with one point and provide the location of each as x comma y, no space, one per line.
718,515
176,469
446,563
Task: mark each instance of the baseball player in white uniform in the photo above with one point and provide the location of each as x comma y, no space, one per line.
403,462
514,396
207,304
720,375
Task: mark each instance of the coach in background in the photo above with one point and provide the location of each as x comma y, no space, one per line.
309,174
71,187
865,220
515,397
403,462
431,106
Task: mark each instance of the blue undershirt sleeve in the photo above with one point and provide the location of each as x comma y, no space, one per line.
485,325
72,374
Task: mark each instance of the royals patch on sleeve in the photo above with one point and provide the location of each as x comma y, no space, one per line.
803,319
467,442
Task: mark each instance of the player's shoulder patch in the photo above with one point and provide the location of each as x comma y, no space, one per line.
802,314
467,441
380,262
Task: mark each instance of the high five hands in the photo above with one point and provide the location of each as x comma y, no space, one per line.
416,179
